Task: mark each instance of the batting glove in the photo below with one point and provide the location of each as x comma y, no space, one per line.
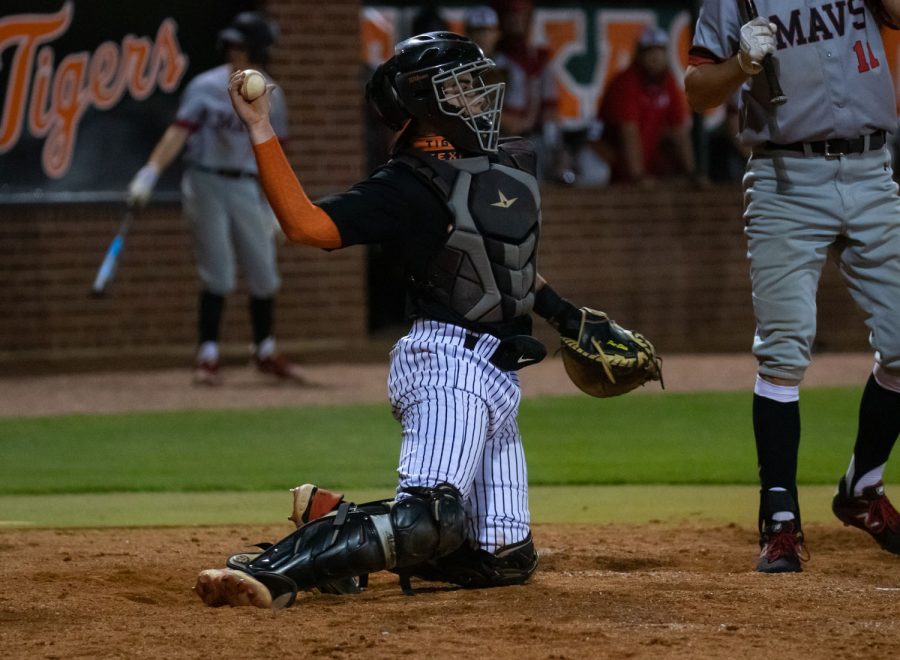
757,41
141,186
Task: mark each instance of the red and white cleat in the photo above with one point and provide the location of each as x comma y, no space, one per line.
279,366
311,502
207,373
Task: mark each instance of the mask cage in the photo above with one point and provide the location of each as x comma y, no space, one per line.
462,93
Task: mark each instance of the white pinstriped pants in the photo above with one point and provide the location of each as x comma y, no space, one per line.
458,413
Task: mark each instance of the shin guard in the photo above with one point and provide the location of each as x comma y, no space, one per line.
360,539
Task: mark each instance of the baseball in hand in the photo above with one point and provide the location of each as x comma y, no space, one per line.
254,85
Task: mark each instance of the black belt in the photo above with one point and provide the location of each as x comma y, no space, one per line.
231,174
834,148
513,353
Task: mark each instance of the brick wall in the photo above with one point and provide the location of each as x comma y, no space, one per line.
671,264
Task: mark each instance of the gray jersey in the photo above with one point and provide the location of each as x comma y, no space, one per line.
830,61
219,139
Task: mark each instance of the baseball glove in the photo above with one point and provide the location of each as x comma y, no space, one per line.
604,359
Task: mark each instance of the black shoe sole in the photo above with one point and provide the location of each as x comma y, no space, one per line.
779,566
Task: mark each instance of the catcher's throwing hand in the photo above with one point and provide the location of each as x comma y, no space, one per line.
604,359
254,114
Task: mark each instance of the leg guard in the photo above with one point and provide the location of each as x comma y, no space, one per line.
360,539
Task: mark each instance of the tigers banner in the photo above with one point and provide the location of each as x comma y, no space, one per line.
89,87
588,42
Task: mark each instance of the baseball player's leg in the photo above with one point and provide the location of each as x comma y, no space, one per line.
207,219
447,397
439,393
787,247
253,229
205,209
499,509
442,440
500,491
870,262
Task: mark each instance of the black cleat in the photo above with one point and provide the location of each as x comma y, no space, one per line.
781,548
478,569
871,512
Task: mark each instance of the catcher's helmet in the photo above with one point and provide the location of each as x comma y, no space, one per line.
436,78
252,30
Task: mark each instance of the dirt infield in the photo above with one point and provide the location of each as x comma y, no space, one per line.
657,590
601,592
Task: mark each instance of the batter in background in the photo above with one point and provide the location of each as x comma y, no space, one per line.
229,218
465,211
819,182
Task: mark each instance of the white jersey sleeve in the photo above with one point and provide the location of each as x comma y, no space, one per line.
717,29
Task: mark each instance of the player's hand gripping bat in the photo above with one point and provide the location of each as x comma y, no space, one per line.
748,11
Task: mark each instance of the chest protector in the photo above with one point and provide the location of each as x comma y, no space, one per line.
484,274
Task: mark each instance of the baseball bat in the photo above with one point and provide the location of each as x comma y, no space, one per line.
111,259
776,95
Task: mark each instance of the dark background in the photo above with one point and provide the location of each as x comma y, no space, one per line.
112,144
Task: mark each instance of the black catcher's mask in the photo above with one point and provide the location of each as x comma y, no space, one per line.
436,78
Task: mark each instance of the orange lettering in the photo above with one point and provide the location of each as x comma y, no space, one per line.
106,89
169,62
563,39
69,103
39,115
59,98
137,53
25,32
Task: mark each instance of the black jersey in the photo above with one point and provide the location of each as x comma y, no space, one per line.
402,203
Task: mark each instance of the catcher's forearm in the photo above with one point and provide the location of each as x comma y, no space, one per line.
558,311
300,219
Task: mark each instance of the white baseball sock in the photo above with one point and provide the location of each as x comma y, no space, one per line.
870,478
779,393
208,352
266,348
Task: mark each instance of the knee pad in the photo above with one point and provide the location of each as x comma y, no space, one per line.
429,523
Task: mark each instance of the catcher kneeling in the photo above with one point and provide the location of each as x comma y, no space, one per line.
463,208
423,532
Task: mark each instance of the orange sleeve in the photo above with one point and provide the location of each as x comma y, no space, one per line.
300,219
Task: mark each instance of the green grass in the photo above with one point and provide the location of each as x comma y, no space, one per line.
549,504
649,439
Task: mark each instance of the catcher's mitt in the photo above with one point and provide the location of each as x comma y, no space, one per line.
605,359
